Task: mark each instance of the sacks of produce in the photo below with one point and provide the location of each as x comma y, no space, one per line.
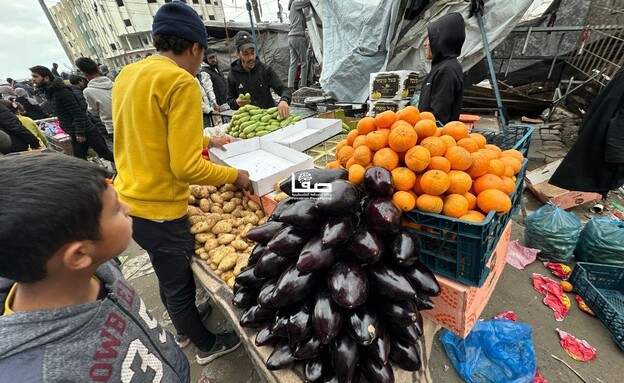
334,283
601,241
251,121
554,232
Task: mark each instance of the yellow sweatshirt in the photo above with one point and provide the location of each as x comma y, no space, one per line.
157,115
32,127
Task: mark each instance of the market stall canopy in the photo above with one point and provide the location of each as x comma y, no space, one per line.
359,37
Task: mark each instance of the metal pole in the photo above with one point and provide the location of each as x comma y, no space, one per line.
488,55
52,22
253,31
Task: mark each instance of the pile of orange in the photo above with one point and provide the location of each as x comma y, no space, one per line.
446,170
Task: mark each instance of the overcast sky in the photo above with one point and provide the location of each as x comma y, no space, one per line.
27,39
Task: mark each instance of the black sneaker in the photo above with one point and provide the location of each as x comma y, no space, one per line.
204,312
224,344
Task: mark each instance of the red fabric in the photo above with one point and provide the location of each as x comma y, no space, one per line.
576,348
583,306
510,315
554,298
539,378
559,269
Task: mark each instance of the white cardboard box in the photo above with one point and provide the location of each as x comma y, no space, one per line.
267,162
306,133
396,85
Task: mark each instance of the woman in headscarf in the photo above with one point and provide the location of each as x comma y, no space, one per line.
31,107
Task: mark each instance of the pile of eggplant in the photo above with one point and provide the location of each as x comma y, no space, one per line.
334,282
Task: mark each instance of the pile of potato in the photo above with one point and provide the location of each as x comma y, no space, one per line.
220,220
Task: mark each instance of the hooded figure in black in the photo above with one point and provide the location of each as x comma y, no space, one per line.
595,163
442,90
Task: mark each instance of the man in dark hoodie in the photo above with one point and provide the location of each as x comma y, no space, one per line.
72,117
249,75
443,88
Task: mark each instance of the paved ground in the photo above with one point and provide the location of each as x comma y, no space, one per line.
513,292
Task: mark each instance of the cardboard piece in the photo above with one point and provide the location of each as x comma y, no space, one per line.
306,133
459,306
380,106
396,85
267,162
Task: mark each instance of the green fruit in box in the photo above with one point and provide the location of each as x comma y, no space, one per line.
247,96
242,135
251,135
249,129
286,122
272,110
254,112
296,118
246,124
256,117
261,133
244,119
265,118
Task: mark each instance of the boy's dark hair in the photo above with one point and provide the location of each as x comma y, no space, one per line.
42,71
87,66
164,43
74,79
46,201
9,80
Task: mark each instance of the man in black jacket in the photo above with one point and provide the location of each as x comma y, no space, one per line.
20,137
442,90
249,75
72,117
219,83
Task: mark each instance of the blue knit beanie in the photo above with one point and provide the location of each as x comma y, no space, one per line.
179,20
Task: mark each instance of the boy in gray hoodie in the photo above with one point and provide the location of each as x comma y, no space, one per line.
67,314
98,93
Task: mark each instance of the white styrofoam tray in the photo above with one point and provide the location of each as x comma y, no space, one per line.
267,162
306,133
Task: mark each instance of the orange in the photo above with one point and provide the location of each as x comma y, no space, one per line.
351,136
472,200
341,145
438,132
402,138
427,116
398,123
386,158
479,139
469,144
460,182
385,132
492,154
459,157
376,140
496,167
508,185
384,120
480,165
403,178
566,286
366,125
455,129
417,158
430,203
494,199
439,163
350,163
359,141
455,206
333,165
494,148
344,154
434,145
404,200
513,153
435,182
512,162
362,155
471,218
448,141
417,189
410,113
425,128
476,212
487,181
356,173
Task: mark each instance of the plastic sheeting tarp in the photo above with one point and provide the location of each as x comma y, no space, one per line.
361,39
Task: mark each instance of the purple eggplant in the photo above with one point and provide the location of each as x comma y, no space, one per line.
281,357
315,256
280,322
308,348
375,372
271,265
409,333
383,215
313,176
303,214
300,324
331,378
264,296
343,198
279,209
327,318
365,246
255,317
292,286
237,286
424,303
362,325
264,233
247,278
337,230
405,248
345,353
314,369
378,182
264,336
256,253
379,350
390,282
289,242
245,298
423,280
401,313
348,284
405,355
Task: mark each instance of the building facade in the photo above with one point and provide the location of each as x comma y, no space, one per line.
116,32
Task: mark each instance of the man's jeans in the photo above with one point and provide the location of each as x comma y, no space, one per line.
298,47
170,246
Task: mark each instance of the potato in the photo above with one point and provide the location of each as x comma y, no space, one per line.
237,201
192,200
229,207
212,252
211,244
203,256
245,230
231,281
228,262
203,226
204,192
211,189
192,210
216,209
195,191
259,213
218,272
204,204
241,263
244,204
251,218
239,244
228,195
203,237
253,205
221,253
227,275
239,222
263,221
239,194
213,267
228,187
238,212
227,217
279,197
226,239
199,250
215,197
196,219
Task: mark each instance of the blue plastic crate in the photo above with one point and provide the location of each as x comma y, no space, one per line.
602,288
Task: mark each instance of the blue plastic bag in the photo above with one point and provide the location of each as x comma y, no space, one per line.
602,241
554,232
495,351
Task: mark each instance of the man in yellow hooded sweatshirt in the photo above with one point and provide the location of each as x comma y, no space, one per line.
157,114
